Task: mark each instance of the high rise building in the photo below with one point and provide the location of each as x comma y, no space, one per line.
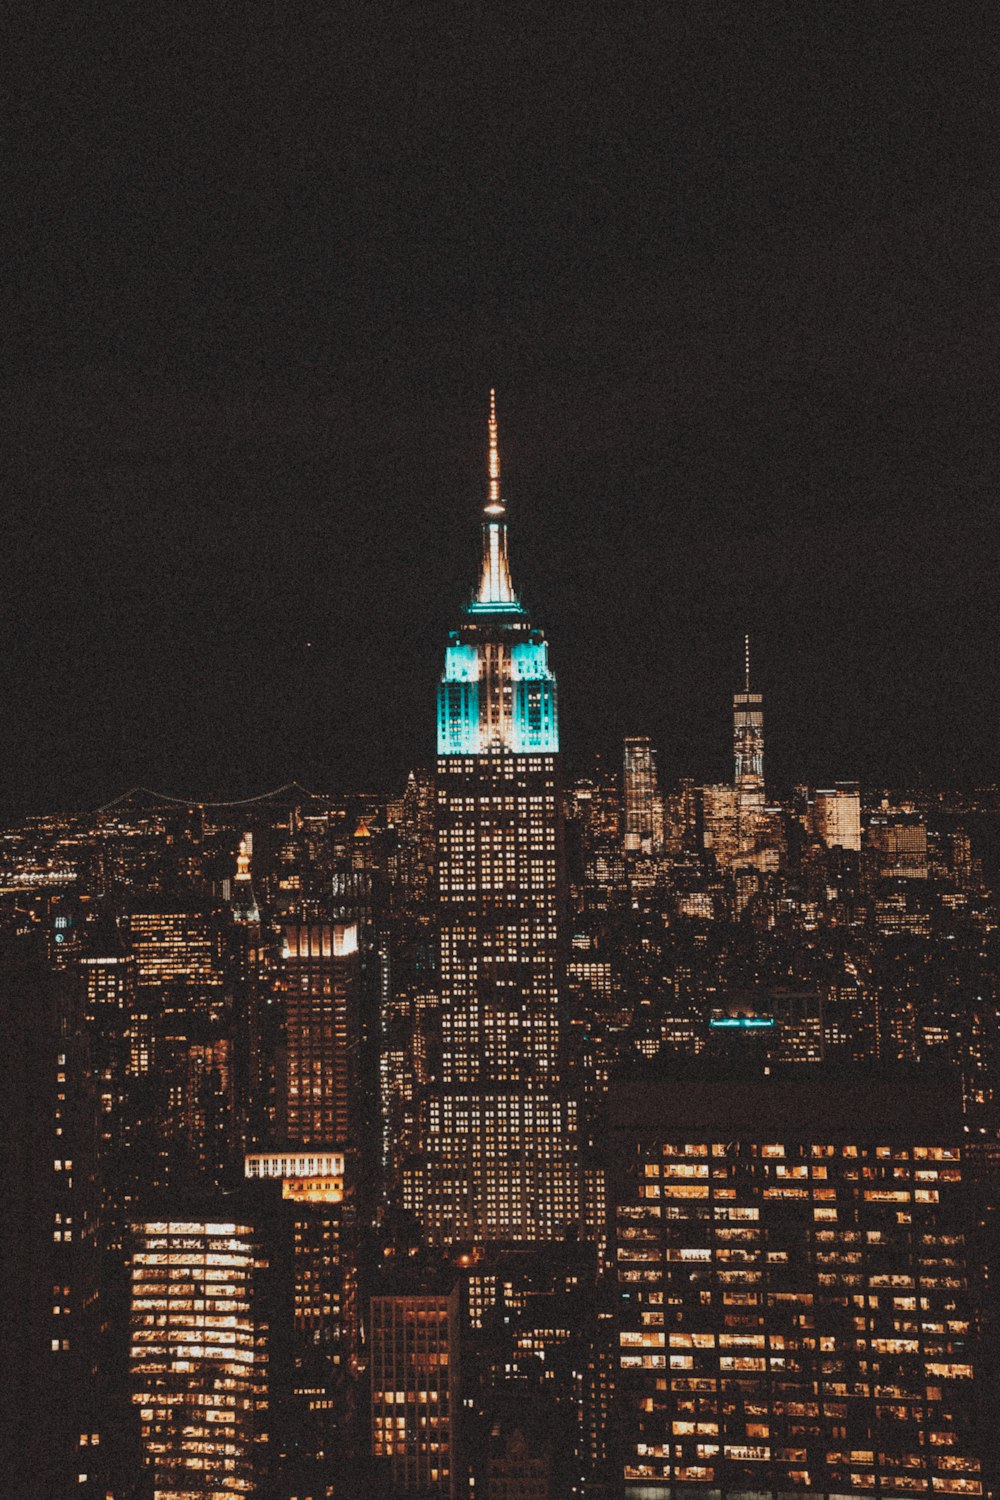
248,960
720,820
797,1316
748,742
539,1343
107,981
498,1134
313,1231
175,946
319,981
242,899
640,789
306,1209
417,846
595,802
199,1356
837,816
54,1418
899,840
414,1344
180,1043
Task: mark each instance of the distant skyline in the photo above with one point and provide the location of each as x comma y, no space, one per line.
731,271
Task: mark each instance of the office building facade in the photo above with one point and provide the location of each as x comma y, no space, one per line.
639,784
199,1356
414,1343
318,981
837,816
797,1316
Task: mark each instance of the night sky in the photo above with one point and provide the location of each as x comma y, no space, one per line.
732,269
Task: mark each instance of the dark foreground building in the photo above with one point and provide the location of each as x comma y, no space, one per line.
796,1309
60,1433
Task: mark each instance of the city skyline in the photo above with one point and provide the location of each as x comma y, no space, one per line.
524,1133
499,801
703,710
495,576
734,288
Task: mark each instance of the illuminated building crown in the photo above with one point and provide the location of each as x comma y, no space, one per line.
244,904
497,691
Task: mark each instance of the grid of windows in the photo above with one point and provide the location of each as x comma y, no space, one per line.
795,1316
198,1356
175,947
498,1146
496,1167
499,1152
319,983
414,1384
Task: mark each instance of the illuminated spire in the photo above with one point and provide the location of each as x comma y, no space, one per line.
496,591
243,902
494,504
746,661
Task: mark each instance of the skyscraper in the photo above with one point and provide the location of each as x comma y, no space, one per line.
837,816
415,1388
899,840
720,822
180,1041
176,948
54,1432
319,979
640,794
107,982
244,904
305,1175
199,1356
748,742
498,1135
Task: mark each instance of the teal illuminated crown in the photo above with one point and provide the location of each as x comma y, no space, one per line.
515,665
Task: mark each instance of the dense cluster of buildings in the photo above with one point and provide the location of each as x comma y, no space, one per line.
519,1136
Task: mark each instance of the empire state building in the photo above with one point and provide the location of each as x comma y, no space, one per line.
499,1155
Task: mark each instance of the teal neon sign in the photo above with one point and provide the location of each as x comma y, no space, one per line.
744,1023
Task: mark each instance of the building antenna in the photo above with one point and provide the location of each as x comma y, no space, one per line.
495,503
746,660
